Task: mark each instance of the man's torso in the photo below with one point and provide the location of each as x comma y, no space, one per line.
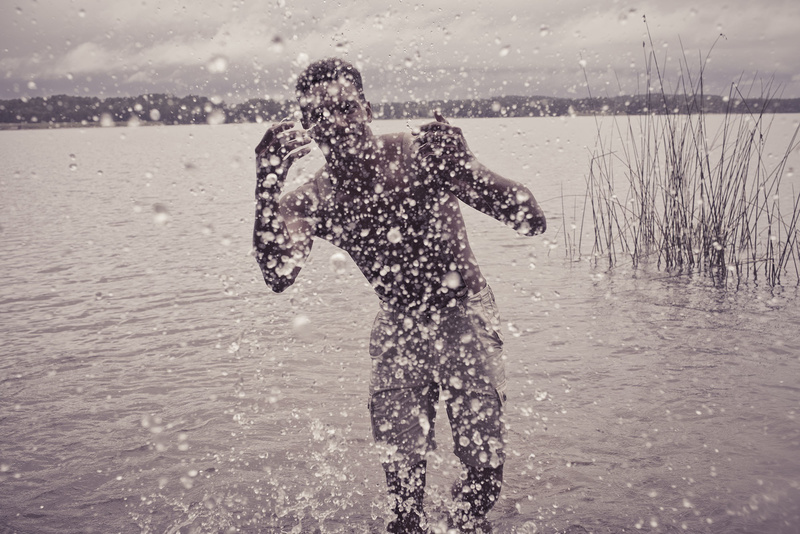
406,237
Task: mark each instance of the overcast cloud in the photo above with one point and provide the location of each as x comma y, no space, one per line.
447,49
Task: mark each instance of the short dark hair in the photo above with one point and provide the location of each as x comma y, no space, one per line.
328,70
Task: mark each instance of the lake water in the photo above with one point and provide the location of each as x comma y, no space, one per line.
150,382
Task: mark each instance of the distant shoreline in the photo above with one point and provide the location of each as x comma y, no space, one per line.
65,111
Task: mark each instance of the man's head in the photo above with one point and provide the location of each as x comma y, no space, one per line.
329,70
331,97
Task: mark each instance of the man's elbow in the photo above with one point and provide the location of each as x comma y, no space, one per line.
279,287
538,225
277,284
530,223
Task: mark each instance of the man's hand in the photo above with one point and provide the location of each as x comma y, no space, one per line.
279,252
277,151
441,150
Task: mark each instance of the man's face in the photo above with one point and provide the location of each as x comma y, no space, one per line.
336,114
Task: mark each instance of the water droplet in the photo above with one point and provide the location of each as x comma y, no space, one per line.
106,120
82,13
338,262
394,235
155,115
302,60
216,117
505,51
582,63
452,280
544,30
217,65
73,166
456,382
300,323
277,44
161,214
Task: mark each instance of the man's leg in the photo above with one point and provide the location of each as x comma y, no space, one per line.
475,383
477,491
407,488
403,422
478,433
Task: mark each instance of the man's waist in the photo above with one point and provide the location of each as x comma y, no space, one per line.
434,310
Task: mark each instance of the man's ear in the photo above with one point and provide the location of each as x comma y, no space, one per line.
368,107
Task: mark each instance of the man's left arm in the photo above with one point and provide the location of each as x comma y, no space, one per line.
442,152
505,200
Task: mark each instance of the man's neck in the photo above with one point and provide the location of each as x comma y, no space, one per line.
353,171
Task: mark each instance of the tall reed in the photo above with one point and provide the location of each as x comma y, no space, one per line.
664,187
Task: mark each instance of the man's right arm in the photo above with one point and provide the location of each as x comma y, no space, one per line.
281,236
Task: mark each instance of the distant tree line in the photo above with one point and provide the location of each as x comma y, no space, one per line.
169,109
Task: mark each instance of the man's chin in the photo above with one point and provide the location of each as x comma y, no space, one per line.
346,145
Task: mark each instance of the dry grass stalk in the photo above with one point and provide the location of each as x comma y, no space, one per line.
693,200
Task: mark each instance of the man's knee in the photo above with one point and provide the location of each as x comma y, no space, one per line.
403,424
478,429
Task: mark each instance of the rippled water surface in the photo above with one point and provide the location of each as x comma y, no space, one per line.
149,381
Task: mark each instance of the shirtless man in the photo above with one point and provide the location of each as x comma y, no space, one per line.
392,203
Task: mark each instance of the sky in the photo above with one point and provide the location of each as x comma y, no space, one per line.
406,49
